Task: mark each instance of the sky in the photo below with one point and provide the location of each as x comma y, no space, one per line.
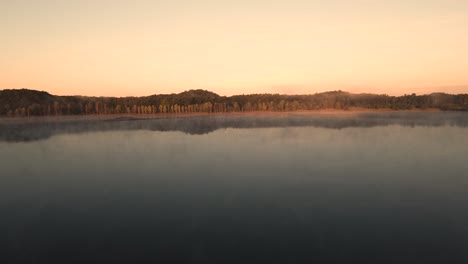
144,47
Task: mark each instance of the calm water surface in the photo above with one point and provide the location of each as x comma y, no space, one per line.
369,188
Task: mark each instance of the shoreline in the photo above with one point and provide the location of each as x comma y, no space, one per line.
352,111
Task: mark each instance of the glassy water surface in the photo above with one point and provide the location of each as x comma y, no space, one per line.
367,188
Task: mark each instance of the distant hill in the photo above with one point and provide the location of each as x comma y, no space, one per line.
13,99
24,97
24,102
198,94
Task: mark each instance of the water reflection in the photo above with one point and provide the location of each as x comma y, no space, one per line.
288,189
27,130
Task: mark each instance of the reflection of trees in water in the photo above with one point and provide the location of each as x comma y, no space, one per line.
28,131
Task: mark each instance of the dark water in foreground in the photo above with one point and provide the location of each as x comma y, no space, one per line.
371,188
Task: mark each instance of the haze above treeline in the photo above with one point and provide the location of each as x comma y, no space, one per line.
25,102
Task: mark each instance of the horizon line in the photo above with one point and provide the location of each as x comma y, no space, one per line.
256,93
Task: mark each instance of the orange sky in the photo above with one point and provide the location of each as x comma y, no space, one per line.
119,48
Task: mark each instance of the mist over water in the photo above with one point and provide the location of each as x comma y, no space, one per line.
372,188
22,129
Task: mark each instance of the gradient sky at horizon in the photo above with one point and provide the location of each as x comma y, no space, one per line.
122,48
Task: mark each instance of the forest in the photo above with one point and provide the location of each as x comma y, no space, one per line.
25,102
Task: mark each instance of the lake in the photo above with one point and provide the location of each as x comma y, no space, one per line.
286,188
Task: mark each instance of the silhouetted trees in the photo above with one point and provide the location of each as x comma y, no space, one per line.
24,102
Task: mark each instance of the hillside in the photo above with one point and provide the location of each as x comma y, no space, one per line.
24,102
15,99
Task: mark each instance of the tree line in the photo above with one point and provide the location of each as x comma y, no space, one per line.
24,102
